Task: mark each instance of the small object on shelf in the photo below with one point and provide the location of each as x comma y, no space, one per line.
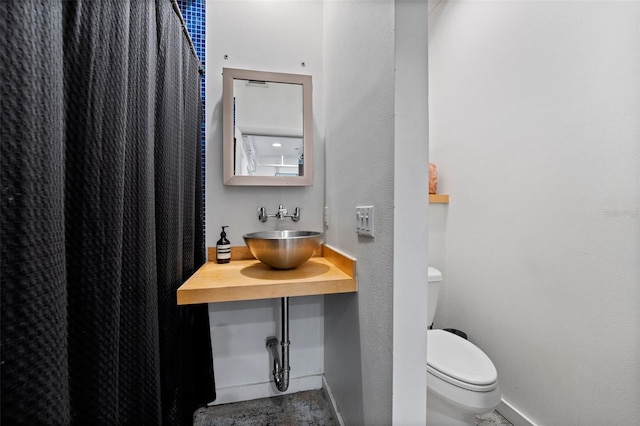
223,248
438,199
433,178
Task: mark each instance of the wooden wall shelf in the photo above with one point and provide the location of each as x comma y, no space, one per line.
438,199
251,279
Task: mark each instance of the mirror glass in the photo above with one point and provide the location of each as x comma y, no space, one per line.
267,128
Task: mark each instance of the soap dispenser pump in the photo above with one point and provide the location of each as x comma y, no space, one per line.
223,248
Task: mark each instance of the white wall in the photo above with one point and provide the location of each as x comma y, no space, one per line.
359,101
411,195
535,129
377,154
265,36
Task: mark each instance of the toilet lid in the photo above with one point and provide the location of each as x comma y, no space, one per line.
459,359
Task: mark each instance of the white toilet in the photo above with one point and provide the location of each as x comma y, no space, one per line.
462,382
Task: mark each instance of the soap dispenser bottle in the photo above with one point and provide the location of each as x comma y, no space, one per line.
223,248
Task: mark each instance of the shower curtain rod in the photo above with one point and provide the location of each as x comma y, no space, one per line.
176,8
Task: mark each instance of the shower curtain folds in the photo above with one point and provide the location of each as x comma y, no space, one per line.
101,215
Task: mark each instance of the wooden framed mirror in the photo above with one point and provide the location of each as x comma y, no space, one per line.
267,128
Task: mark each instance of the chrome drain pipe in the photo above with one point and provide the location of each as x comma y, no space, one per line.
281,371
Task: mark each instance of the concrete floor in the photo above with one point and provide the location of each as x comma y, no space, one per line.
301,408
492,419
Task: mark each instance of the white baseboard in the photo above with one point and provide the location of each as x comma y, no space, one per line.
332,401
513,414
265,390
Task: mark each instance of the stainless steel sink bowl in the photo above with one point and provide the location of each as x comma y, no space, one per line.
283,249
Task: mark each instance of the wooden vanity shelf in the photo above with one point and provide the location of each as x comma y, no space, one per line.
245,278
438,199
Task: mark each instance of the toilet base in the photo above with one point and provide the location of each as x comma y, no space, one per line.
441,413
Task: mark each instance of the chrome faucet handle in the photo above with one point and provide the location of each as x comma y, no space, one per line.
296,215
262,214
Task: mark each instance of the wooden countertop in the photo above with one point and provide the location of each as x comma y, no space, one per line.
249,279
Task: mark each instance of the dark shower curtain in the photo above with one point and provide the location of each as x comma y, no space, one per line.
101,215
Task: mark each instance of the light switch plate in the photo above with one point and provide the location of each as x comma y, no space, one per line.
364,221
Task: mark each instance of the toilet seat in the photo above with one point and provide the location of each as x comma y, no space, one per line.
459,362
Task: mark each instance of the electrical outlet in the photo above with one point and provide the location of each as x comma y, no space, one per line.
364,221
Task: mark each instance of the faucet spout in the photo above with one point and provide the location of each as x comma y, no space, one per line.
282,212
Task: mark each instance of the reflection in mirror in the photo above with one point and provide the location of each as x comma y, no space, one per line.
267,125
268,155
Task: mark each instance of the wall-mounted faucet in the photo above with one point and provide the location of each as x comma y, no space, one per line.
281,214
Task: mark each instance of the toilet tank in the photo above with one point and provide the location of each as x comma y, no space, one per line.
434,282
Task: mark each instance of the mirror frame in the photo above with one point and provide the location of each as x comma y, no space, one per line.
229,178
